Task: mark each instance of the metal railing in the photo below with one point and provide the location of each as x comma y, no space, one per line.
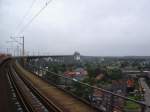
99,98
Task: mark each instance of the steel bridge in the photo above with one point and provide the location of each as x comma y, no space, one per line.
65,59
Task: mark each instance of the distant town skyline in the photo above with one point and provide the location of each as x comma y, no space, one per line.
91,27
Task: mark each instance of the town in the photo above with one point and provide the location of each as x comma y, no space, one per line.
126,76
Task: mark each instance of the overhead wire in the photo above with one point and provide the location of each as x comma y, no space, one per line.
36,15
32,19
25,15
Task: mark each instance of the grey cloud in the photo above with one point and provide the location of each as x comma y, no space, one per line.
92,27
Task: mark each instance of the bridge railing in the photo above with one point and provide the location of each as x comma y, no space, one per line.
99,98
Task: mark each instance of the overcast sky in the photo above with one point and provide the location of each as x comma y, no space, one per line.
91,27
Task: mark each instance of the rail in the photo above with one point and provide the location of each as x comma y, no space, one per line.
48,103
99,98
27,107
30,103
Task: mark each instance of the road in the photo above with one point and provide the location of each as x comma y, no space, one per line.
147,92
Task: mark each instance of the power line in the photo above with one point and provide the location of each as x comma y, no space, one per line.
36,15
26,14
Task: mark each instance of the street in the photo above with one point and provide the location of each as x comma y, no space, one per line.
147,92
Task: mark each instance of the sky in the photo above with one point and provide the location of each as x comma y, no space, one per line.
91,27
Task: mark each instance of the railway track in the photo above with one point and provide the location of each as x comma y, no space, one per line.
57,97
31,99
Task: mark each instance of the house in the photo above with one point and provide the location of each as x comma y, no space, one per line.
78,74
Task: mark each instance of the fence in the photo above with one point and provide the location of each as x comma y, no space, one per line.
99,98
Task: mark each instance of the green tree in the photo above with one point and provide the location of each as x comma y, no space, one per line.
82,90
114,73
